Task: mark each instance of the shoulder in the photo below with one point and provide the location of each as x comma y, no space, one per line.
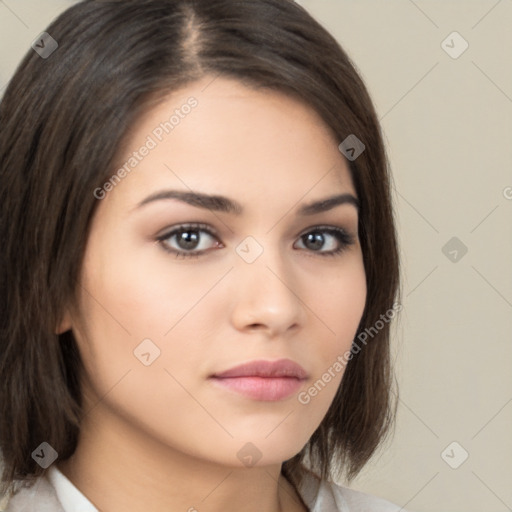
38,495
325,496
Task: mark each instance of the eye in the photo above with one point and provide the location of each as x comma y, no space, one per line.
193,240
327,240
188,240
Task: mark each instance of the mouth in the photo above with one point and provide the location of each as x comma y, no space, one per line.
263,380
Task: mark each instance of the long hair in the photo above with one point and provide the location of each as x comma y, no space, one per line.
62,119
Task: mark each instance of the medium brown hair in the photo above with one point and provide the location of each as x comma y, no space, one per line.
62,120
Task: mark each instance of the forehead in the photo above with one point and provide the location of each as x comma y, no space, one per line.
219,136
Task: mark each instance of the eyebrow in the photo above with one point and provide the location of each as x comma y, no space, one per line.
226,205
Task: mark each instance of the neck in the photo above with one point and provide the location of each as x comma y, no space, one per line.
118,467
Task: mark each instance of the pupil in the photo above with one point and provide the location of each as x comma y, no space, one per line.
315,240
188,239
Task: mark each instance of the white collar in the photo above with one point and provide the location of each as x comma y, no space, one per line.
71,499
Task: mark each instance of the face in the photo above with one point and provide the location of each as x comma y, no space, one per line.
177,289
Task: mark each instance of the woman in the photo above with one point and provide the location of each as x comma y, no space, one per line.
199,263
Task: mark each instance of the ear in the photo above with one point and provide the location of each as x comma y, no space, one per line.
65,324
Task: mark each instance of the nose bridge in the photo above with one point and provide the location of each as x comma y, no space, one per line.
264,257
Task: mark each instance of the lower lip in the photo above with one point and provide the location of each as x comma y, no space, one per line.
269,389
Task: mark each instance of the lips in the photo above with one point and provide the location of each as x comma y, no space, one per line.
263,380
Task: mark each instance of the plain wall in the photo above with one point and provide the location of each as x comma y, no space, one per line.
448,126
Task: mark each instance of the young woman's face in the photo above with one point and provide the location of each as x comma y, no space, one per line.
166,310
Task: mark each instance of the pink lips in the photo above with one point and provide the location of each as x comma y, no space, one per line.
263,380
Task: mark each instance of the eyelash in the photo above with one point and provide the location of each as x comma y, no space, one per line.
344,239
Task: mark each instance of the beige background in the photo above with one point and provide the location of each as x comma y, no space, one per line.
448,125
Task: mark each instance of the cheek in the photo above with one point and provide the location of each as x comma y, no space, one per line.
146,295
129,297
339,300
132,308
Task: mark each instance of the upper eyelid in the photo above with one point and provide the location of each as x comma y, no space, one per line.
211,230
167,232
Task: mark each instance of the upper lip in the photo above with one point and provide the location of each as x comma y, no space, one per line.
262,368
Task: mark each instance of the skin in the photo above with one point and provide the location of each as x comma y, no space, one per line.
162,437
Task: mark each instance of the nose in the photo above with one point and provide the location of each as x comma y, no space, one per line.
266,296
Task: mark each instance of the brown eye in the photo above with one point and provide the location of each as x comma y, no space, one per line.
326,241
188,240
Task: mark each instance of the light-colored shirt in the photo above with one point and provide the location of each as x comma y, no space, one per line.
54,492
